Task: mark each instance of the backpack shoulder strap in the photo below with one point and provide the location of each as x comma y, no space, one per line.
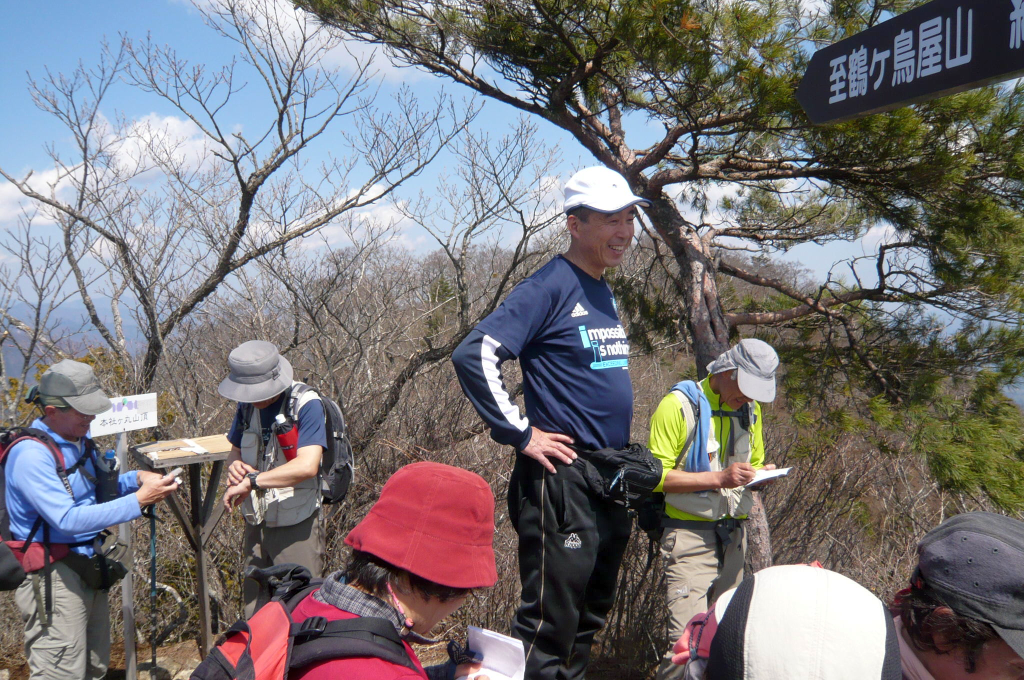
690,412
300,395
245,414
89,453
316,639
746,415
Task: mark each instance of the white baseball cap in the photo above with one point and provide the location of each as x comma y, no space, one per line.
601,189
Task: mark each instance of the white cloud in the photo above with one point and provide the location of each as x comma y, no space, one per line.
877,236
13,204
714,194
176,140
159,140
811,7
338,52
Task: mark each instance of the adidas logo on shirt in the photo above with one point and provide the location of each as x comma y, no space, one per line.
579,311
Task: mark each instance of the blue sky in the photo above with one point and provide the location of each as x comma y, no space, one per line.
57,35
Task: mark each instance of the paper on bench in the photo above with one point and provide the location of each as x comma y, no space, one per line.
190,445
502,656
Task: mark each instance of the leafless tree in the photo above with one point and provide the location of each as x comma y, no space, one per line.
153,221
32,287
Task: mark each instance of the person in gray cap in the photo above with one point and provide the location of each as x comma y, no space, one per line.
963,614
64,606
709,439
278,489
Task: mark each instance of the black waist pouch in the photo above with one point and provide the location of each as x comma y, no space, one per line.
624,476
97,572
106,567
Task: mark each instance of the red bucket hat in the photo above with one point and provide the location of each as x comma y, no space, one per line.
435,521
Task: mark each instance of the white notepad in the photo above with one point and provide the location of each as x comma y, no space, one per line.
764,475
503,657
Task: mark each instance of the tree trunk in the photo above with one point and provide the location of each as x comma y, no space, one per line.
709,332
704,318
759,538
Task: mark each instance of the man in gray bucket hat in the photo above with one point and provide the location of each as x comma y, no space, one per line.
56,517
963,614
274,468
709,439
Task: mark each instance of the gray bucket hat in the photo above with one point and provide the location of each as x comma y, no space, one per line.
74,384
755,362
258,372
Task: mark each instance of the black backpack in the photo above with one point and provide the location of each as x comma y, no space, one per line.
270,644
337,463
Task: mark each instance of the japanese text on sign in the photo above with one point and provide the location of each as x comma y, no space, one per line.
934,50
923,53
126,414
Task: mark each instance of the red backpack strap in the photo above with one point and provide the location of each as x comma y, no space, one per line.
256,649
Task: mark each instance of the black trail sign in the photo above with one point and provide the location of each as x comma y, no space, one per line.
937,49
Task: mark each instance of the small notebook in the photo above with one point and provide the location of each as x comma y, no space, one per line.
762,476
503,657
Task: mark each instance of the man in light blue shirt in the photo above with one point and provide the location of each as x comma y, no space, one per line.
75,642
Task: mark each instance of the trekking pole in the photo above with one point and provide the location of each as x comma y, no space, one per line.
152,590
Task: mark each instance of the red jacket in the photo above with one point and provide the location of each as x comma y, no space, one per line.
356,668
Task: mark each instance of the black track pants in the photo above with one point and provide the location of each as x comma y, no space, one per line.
570,547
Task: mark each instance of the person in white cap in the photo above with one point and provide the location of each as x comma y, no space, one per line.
563,326
709,439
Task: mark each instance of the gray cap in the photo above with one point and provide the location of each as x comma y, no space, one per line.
258,372
77,385
755,362
975,563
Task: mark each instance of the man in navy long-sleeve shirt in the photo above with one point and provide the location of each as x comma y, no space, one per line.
562,325
76,642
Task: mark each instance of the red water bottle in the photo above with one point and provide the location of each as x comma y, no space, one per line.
287,434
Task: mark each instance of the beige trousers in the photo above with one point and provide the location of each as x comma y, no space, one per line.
76,644
694,580
301,543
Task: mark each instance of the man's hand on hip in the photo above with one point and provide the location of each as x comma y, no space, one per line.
544,445
737,474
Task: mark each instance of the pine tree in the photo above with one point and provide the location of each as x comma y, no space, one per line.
717,79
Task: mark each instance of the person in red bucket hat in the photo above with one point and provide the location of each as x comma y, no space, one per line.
425,545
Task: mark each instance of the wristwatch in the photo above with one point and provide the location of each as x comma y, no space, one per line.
253,486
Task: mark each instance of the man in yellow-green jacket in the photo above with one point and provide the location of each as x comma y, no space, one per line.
709,438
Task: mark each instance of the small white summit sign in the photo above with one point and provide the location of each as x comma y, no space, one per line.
136,412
